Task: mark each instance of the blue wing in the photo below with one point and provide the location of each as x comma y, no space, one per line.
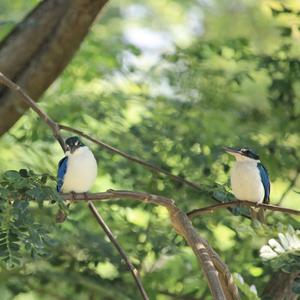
62,169
265,181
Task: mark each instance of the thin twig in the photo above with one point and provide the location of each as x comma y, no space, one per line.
110,235
290,186
53,125
213,208
132,158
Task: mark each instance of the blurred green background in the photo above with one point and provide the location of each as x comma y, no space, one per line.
171,82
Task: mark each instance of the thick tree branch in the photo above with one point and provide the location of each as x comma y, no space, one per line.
213,208
40,47
280,286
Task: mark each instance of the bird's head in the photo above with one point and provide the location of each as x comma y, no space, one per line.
241,154
73,144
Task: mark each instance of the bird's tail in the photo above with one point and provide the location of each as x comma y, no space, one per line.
258,214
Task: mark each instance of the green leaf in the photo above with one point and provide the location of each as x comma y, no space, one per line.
283,253
249,292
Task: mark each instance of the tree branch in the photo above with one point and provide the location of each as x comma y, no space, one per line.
290,186
215,270
53,125
110,235
213,208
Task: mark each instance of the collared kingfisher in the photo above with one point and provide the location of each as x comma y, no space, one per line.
77,171
249,178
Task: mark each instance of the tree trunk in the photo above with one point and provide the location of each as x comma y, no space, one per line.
280,287
39,48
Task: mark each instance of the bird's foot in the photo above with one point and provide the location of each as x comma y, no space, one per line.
110,191
73,197
257,204
85,195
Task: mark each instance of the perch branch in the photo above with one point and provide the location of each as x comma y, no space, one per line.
207,257
213,208
110,235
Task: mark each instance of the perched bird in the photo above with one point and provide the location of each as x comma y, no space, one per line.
77,171
249,178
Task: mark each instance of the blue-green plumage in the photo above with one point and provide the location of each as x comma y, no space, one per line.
61,171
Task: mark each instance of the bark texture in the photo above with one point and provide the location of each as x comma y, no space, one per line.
280,287
39,48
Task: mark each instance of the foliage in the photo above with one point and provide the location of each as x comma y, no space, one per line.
249,291
21,235
171,82
284,253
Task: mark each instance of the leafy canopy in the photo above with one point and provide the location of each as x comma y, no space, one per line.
171,82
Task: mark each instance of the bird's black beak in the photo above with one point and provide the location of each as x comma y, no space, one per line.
232,150
73,148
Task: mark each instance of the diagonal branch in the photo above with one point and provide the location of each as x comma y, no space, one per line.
132,158
53,125
110,235
290,186
213,208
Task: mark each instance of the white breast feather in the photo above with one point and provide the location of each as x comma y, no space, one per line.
81,171
246,181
